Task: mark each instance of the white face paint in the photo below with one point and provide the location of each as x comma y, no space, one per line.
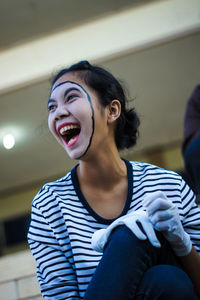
71,116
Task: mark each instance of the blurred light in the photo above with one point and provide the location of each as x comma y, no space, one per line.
8,141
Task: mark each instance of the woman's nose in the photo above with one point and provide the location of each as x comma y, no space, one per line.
61,112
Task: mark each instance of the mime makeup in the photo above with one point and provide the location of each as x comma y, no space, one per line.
76,113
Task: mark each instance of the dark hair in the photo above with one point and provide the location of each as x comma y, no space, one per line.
108,88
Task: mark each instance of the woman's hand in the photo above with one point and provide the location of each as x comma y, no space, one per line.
100,237
165,218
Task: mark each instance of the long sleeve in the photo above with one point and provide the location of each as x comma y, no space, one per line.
190,215
54,271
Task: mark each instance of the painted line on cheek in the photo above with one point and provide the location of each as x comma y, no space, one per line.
93,124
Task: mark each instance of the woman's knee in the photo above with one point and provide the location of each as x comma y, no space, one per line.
122,238
166,282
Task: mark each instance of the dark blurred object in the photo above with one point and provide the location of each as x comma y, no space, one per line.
16,230
192,119
191,141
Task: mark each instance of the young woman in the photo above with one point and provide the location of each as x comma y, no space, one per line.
110,228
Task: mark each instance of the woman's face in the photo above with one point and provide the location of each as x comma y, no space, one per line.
72,108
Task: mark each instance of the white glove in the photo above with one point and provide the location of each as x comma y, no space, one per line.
164,216
100,237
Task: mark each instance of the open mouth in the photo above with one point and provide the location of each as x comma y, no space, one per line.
70,133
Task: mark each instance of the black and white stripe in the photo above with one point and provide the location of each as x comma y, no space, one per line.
62,225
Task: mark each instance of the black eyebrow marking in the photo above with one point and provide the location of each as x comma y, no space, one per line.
68,81
50,101
69,90
66,92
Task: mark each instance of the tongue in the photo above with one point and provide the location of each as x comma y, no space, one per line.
71,134
72,140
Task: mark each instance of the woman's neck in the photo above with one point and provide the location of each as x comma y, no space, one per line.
103,171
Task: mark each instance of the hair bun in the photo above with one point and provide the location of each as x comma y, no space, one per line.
127,132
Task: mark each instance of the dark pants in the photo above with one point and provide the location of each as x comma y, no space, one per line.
133,269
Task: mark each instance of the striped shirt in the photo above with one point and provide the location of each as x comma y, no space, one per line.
62,225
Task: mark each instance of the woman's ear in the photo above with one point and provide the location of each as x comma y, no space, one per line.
114,111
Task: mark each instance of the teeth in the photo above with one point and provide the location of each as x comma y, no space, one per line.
71,140
64,129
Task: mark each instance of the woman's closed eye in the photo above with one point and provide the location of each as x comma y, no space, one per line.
51,107
71,97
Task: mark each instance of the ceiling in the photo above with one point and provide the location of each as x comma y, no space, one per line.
160,78
25,20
